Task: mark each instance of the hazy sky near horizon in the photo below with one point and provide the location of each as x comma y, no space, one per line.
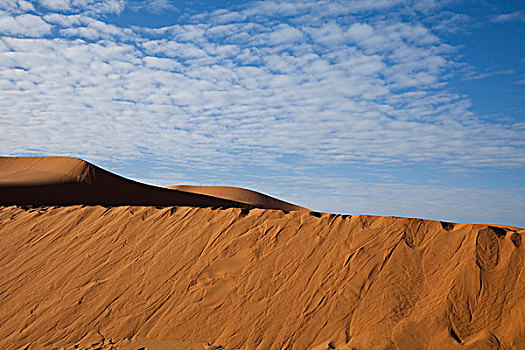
386,107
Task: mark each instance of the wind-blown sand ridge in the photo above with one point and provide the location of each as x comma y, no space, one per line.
239,195
71,181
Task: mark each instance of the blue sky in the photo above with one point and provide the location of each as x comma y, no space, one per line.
386,107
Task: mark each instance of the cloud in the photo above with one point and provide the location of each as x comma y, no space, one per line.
85,27
57,5
260,96
281,35
488,74
86,6
516,16
153,6
248,91
328,34
160,6
225,16
23,25
360,32
93,7
26,6
447,22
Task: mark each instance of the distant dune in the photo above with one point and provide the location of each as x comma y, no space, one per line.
239,195
238,277
70,181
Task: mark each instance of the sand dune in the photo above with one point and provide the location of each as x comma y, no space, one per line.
186,277
263,279
240,195
70,181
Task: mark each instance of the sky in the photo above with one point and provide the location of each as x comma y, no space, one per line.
383,107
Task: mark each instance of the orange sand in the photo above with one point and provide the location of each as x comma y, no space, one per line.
204,277
70,181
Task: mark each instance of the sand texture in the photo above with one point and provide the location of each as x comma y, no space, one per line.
207,277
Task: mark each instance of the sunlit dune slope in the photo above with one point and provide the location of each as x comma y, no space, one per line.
193,278
70,181
240,195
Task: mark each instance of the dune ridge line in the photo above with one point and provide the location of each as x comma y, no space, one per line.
71,181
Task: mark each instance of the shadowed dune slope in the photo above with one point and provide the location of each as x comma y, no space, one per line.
241,195
194,278
70,181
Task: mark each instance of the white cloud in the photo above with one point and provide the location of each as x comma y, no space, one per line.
335,102
225,16
63,20
56,5
159,6
88,28
173,49
153,6
23,25
329,34
8,5
487,74
26,6
163,64
86,6
280,34
447,22
265,93
516,16
359,32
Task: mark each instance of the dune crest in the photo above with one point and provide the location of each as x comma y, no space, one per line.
71,181
240,195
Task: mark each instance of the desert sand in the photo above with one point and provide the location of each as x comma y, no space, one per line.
210,268
70,181
240,195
